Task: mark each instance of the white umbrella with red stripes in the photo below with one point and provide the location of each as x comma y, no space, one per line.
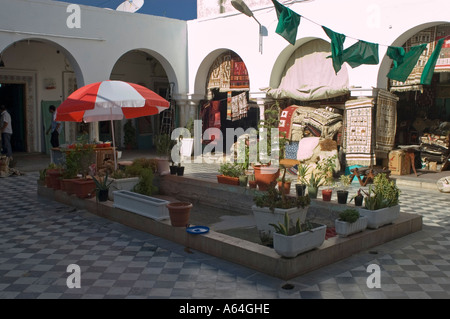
110,100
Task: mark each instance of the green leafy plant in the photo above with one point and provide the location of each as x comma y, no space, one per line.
164,145
102,183
316,180
302,171
272,121
383,193
273,198
326,168
231,169
349,215
145,185
288,229
344,181
79,158
358,193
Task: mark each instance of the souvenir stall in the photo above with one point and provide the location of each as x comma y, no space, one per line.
227,104
424,102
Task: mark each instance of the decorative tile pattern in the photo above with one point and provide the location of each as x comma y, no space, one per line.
40,238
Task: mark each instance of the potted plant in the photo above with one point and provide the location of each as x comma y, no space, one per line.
381,202
358,197
284,186
84,153
266,174
271,206
251,181
164,145
291,240
229,173
302,171
314,182
72,166
179,213
350,222
326,168
342,192
102,187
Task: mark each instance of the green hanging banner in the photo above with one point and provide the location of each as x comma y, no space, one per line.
337,47
428,70
361,52
288,22
404,69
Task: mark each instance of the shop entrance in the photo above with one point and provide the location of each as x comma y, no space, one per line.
13,97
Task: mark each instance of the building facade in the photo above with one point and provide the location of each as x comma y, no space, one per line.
47,55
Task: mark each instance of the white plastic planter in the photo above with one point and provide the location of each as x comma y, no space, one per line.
125,184
144,205
380,217
291,246
264,217
344,229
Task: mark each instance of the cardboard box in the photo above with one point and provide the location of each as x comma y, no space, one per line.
399,163
432,166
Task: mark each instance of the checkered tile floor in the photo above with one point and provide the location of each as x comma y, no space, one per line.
40,238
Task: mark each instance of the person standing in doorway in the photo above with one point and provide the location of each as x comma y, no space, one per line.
55,127
6,130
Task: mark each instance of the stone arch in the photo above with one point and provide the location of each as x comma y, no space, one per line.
15,73
386,62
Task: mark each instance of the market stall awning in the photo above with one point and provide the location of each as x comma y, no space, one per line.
309,75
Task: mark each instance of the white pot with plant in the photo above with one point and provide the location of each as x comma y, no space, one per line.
350,222
290,240
270,208
381,202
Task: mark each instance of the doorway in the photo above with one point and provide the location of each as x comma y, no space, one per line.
12,95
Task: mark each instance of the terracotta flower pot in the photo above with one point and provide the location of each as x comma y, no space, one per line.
68,185
179,213
222,179
265,175
252,184
287,187
54,178
326,194
84,188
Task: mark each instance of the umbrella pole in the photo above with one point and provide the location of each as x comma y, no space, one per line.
114,145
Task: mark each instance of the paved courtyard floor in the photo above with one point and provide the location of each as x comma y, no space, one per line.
39,239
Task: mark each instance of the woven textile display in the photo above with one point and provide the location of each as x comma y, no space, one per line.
228,73
358,133
328,123
386,123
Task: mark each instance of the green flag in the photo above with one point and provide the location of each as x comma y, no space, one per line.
337,47
404,69
396,54
361,52
428,70
288,22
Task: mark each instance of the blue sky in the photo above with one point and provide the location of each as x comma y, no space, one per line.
177,9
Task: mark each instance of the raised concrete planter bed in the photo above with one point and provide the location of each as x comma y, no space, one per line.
147,206
245,253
